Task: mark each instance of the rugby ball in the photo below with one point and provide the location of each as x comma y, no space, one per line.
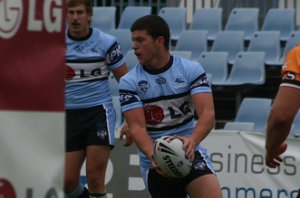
170,157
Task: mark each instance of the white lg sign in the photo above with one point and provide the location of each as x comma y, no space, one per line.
11,14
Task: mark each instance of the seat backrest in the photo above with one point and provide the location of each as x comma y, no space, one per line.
113,85
104,18
239,126
292,41
209,19
131,13
280,19
243,19
194,41
131,59
248,68
268,42
176,17
296,125
184,54
229,41
215,63
124,38
254,110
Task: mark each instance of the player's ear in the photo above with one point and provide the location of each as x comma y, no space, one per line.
160,41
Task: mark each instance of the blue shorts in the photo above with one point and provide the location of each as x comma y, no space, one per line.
90,126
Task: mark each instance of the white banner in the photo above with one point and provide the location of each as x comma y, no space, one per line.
238,158
31,154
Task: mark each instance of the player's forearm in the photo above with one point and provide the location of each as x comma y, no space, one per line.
143,141
204,125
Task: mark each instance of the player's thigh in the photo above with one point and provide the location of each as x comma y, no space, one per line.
97,157
204,186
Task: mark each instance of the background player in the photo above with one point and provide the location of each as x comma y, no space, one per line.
91,55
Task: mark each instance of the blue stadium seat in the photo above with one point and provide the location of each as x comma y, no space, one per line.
247,69
113,85
124,38
131,13
229,41
296,125
255,110
185,54
243,19
176,19
239,126
104,18
215,63
292,41
268,42
208,19
280,19
194,41
131,59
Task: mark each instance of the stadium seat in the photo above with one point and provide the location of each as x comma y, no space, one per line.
268,42
239,126
243,19
255,110
176,19
124,38
296,125
131,13
104,18
215,63
229,41
113,85
131,59
118,111
247,69
194,41
292,41
185,54
208,19
280,19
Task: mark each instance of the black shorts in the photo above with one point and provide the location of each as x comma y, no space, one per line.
163,187
90,126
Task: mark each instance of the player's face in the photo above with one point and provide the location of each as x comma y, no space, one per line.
145,47
78,21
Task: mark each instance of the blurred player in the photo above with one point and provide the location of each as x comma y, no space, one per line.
91,55
284,109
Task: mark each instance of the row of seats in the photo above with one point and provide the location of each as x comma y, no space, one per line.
252,115
194,42
209,19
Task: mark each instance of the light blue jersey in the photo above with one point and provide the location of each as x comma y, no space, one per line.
165,96
89,61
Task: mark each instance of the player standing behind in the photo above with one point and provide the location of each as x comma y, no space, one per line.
158,97
284,109
91,55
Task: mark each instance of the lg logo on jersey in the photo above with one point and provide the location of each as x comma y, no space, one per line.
11,15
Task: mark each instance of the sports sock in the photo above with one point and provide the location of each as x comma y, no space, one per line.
76,192
98,195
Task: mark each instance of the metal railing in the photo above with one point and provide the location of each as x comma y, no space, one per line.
227,5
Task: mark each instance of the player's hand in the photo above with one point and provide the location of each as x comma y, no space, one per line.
125,132
156,167
189,146
273,159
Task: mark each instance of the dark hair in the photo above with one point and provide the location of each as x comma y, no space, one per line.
155,26
88,4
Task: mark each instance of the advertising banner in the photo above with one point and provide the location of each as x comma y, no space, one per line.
32,63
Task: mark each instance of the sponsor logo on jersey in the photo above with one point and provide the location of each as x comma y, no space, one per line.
160,80
143,85
128,98
115,54
200,81
154,114
290,76
78,48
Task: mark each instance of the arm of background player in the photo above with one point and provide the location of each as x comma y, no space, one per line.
120,71
284,109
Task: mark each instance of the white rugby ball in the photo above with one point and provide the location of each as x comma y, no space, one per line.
170,157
